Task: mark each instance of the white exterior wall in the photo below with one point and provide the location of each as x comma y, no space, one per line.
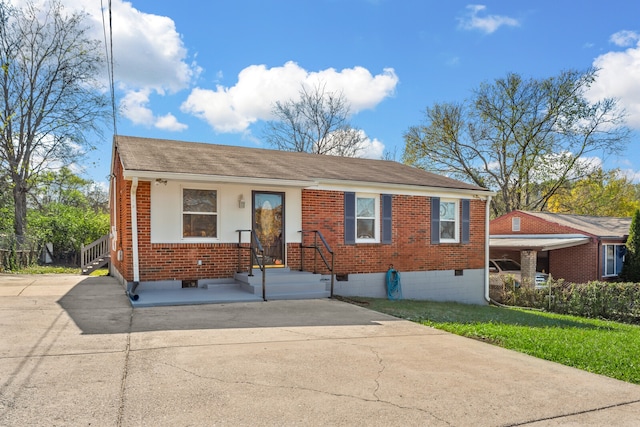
441,285
166,211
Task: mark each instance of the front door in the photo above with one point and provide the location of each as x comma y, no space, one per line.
268,222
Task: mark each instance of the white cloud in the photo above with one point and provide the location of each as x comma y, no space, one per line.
619,77
134,106
631,175
367,148
234,109
362,90
169,122
487,24
148,51
624,38
372,149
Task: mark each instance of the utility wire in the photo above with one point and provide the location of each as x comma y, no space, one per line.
108,46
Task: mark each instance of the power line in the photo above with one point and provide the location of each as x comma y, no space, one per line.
108,46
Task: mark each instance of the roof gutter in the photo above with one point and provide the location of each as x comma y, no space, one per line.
151,176
331,184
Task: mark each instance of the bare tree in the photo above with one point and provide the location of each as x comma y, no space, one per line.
315,123
50,97
525,139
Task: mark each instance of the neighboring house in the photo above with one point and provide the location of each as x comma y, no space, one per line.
177,208
576,248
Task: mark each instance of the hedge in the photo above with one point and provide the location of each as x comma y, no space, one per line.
603,300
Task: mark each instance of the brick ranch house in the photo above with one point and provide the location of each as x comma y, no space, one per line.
177,208
576,248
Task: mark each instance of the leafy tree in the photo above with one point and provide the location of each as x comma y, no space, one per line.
522,138
49,94
601,193
63,186
631,267
316,123
67,213
67,227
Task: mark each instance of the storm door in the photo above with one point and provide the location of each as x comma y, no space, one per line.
268,223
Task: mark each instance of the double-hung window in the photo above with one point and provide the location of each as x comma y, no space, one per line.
367,218
450,220
199,213
613,259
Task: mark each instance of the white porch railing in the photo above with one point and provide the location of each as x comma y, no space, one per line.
95,254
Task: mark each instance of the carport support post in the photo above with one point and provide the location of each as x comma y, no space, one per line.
528,265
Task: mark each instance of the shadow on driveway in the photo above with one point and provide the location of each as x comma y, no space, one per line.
99,305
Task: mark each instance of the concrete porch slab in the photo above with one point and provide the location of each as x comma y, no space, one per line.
193,296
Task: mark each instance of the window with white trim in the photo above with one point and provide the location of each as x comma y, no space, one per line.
515,223
613,259
367,217
199,213
449,220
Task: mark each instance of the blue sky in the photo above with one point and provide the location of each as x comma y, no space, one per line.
209,71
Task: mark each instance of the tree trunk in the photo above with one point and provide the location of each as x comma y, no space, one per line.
20,212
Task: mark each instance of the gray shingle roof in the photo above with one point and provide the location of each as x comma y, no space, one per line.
178,157
595,225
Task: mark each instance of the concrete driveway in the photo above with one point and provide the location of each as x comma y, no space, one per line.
73,352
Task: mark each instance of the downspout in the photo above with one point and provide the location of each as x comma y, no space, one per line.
486,250
599,257
113,187
134,239
114,216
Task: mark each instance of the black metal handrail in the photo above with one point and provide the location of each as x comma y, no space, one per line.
256,252
317,251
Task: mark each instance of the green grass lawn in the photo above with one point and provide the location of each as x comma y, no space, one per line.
602,347
47,269
50,269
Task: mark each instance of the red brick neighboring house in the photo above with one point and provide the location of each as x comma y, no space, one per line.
177,208
576,248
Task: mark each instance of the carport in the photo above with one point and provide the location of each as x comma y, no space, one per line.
529,245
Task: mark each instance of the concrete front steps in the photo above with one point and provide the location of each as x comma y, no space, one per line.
283,283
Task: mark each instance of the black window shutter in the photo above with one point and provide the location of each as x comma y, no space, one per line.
386,218
466,220
435,220
349,218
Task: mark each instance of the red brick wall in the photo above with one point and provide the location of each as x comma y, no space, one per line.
579,264
410,250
